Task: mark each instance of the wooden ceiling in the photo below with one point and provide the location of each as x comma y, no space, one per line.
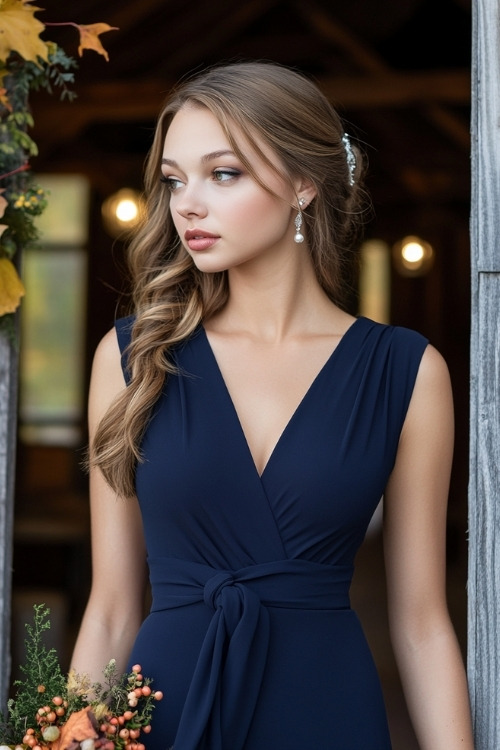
398,72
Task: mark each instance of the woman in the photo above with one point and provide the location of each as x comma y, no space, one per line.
251,438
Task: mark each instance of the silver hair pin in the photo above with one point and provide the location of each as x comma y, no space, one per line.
350,157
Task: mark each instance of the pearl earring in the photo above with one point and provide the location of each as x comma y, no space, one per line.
299,237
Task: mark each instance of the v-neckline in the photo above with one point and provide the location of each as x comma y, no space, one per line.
331,357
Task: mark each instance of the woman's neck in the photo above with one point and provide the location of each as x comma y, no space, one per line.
273,304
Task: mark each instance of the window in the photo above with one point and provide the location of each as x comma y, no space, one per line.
53,317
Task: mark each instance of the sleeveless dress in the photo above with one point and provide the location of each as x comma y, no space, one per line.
250,636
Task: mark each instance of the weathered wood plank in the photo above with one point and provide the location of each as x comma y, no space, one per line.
485,132
484,518
484,485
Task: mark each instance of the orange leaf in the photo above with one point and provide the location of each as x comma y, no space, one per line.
4,99
11,287
89,37
78,727
20,30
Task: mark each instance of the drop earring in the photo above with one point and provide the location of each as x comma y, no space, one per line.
299,237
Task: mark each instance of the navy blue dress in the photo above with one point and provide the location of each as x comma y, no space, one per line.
250,636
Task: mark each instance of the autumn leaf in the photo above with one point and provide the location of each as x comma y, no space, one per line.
3,204
78,727
11,287
20,30
4,99
89,37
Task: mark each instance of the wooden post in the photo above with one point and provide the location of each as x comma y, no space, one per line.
8,423
484,487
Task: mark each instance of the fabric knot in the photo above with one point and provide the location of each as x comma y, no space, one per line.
214,586
227,679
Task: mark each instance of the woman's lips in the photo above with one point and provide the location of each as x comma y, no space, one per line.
197,239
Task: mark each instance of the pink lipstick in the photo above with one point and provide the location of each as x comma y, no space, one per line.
198,239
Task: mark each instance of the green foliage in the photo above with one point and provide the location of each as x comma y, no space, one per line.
20,77
42,674
19,217
57,73
125,699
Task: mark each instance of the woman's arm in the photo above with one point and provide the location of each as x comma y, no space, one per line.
424,641
114,610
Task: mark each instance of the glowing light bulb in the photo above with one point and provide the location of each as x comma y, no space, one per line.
127,210
413,256
413,252
121,211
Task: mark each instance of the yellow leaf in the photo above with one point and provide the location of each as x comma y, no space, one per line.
11,287
20,30
89,37
3,204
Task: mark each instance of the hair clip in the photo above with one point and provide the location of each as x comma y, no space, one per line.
351,158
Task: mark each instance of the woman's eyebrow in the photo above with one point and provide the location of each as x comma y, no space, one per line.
205,158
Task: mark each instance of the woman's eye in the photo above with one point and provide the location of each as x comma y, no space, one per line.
172,183
224,175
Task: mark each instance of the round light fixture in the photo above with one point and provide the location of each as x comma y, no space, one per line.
413,256
122,211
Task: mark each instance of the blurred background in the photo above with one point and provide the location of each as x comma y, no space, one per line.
399,73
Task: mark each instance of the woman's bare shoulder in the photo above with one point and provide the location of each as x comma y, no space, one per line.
107,379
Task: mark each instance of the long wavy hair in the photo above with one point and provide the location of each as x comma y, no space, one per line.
171,297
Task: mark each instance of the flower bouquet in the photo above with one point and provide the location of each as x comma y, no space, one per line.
54,712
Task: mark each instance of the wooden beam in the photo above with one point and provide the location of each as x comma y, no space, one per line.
136,101
324,24
390,89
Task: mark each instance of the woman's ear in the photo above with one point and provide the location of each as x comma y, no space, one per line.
305,190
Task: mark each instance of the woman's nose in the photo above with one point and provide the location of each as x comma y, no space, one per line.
190,202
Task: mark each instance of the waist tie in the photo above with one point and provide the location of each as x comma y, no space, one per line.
225,686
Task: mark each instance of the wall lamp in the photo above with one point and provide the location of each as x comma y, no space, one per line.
122,211
413,256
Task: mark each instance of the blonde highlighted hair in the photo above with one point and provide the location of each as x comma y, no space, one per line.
288,113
